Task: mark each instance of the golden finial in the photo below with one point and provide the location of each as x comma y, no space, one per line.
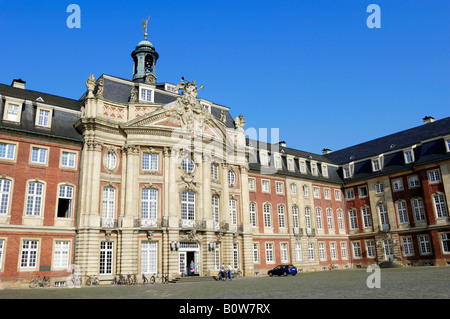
144,27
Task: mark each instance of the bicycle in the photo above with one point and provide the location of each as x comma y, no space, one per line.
144,280
45,282
119,280
131,279
237,273
159,280
92,280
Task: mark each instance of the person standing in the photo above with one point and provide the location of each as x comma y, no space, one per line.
191,268
230,270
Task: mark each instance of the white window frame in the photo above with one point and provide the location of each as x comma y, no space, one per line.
44,117
188,205
252,211
267,214
144,94
269,253
424,244
61,254
407,246
149,203
8,151
39,155
281,216
68,159
215,172
187,165
434,176
149,257
284,252
231,178
397,184
418,209
353,219
5,196
440,206
13,114
408,156
29,254
35,199
319,223
150,162
66,192
402,212
279,187
265,186
413,181
106,258
251,184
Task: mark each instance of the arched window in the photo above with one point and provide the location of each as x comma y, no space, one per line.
34,199
5,195
281,216
295,216
231,178
267,215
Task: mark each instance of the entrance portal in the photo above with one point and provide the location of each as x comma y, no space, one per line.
189,251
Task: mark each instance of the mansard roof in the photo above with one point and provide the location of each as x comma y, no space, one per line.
392,142
62,121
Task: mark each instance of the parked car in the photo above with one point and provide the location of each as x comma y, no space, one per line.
283,270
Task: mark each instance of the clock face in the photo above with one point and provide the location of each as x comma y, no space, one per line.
150,79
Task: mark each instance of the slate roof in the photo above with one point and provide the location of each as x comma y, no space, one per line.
391,142
62,122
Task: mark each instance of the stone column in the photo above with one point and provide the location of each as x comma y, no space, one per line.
247,238
173,196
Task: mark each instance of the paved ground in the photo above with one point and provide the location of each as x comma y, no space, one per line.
396,283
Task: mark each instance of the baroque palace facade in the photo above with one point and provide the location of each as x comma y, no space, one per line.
144,177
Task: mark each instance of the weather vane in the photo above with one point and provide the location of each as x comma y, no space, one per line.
144,27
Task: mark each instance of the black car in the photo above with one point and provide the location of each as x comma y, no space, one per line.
283,270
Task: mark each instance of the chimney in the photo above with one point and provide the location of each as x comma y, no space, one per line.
282,144
18,83
326,151
428,119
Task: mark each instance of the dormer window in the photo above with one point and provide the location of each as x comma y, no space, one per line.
314,168
290,164
206,106
447,144
145,94
347,172
324,170
409,156
263,157
44,117
376,165
12,112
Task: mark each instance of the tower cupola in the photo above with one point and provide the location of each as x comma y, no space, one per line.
144,59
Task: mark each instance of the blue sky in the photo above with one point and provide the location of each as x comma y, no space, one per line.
311,68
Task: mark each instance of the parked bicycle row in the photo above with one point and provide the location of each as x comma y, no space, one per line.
132,279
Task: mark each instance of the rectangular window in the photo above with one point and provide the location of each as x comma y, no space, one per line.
217,258
149,257
326,193
235,256
340,219
409,157
251,184
61,255
413,181
370,248
293,189
44,118
346,172
424,244
418,210
302,167
2,252
265,186
269,252
311,251
330,218
149,203
439,204
367,219
362,191
65,199
215,173
187,205
68,159
305,190
324,170
333,251
233,213
252,209
34,199
284,252
434,176
146,95
376,165
5,191
281,217
343,250
29,254
38,155
106,257
267,215
379,188
255,254
397,184
356,249
109,202
298,252
215,209
279,187
290,163
349,194
316,192
402,212
322,254
12,112
353,219
7,151
149,162
337,194
445,238
407,246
